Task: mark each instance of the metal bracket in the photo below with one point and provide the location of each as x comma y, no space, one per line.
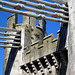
19,6
41,6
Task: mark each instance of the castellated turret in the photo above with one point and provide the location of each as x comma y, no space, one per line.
38,55
33,33
12,20
36,32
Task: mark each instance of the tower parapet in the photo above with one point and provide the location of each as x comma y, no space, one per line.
36,32
38,53
32,34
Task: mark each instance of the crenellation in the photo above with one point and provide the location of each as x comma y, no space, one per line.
29,50
36,45
34,51
38,35
54,40
12,20
33,21
42,24
47,45
26,20
43,49
58,32
46,37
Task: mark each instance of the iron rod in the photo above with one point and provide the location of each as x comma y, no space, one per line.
55,5
8,34
9,38
8,29
31,15
40,6
7,42
6,46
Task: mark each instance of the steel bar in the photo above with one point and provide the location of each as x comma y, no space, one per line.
55,5
8,38
40,6
9,34
7,42
54,9
31,15
37,10
6,46
8,29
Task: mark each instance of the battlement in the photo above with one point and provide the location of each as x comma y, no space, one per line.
29,50
32,31
36,44
35,51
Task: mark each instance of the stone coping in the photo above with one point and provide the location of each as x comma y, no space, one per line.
54,40
48,36
40,46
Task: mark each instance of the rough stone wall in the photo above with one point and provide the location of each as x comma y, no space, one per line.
71,40
11,22
35,45
36,51
12,60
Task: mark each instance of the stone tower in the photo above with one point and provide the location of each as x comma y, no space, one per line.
37,54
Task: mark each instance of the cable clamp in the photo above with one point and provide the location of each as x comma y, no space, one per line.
41,6
19,6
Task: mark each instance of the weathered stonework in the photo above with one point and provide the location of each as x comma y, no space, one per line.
71,40
38,54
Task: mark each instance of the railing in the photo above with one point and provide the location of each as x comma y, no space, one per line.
15,40
21,5
40,6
